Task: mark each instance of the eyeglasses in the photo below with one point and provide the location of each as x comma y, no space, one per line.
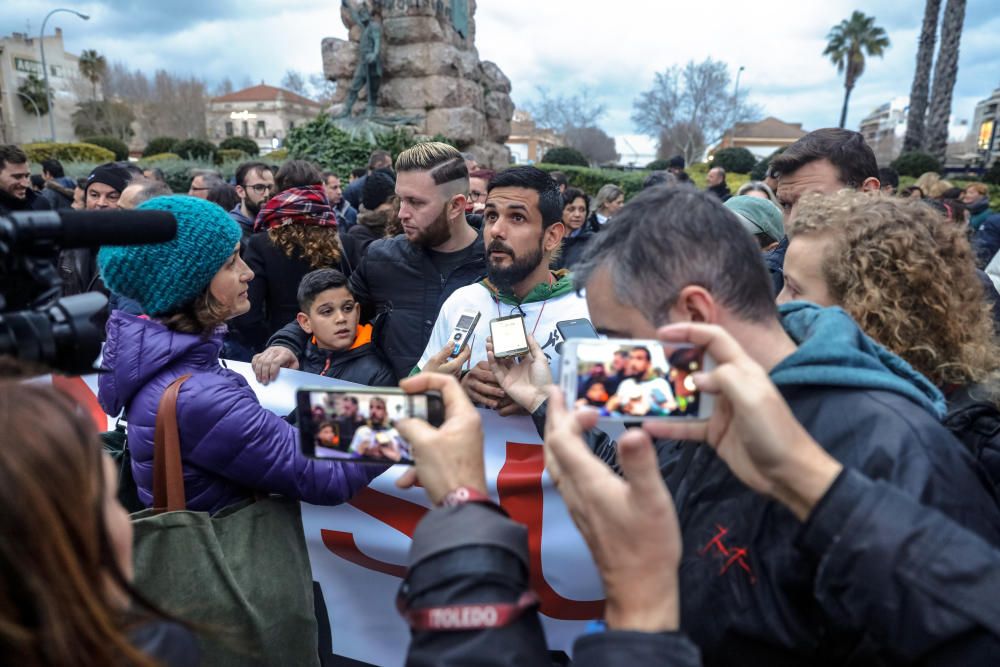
260,188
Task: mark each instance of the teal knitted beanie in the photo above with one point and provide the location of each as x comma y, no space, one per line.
162,277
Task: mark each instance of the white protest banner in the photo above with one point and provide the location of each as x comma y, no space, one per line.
359,550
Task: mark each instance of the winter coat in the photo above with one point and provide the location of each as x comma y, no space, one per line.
31,202
347,215
273,292
472,554
774,259
978,212
245,223
749,593
362,364
169,643
721,191
231,447
572,250
974,419
370,227
986,241
59,193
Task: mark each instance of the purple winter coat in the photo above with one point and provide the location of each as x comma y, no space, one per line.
231,446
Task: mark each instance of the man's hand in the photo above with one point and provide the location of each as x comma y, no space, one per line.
451,455
481,386
751,428
267,364
443,363
629,524
524,380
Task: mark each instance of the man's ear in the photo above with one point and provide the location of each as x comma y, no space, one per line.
553,236
871,184
241,192
694,304
456,206
303,321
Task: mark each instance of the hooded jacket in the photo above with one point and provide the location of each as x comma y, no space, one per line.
572,249
361,364
59,192
231,447
245,223
748,593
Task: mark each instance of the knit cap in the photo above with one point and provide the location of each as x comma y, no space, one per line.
379,187
163,277
110,174
758,215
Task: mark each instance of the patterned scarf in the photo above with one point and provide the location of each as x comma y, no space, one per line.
296,206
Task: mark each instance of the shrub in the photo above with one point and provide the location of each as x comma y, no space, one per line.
565,155
160,145
69,152
116,146
992,174
245,144
230,155
658,165
161,156
277,156
915,163
195,149
735,160
591,180
759,172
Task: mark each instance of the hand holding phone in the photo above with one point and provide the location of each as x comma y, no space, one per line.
467,322
450,455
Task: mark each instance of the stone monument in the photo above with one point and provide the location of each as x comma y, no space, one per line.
429,75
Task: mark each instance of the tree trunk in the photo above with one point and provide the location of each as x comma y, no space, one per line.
847,97
914,139
945,72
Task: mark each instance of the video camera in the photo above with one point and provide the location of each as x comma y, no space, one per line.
38,326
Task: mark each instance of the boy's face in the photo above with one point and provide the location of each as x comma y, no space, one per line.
332,319
326,435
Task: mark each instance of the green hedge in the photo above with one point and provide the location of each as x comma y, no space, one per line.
161,156
566,156
916,163
70,152
195,149
734,160
590,180
230,155
113,144
160,145
245,144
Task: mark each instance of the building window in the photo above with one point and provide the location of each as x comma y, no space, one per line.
260,105
227,105
291,125
246,129
28,65
261,129
985,134
229,128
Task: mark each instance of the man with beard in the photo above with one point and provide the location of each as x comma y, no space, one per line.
406,278
254,186
522,231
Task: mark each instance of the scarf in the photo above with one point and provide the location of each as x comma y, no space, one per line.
305,205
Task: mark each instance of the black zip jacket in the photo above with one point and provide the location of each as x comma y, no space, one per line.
361,365
974,419
399,280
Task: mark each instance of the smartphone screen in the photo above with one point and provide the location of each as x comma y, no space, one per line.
358,425
623,379
508,336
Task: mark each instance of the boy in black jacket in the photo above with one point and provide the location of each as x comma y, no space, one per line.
338,347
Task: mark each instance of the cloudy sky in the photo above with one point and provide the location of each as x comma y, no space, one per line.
611,48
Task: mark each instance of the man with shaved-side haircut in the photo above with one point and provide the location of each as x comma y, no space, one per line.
407,278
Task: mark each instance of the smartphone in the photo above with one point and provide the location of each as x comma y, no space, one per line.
358,425
635,380
581,328
509,336
460,335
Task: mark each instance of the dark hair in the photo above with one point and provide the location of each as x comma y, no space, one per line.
37,181
246,168
296,174
845,149
559,177
327,174
665,239
570,195
358,172
532,178
951,193
659,178
224,195
54,167
132,168
157,174
888,176
11,154
911,189
378,156
82,182
649,356
315,282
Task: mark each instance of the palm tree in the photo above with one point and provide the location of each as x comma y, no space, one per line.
914,140
847,45
93,66
945,72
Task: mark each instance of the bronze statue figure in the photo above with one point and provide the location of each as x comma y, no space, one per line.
369,69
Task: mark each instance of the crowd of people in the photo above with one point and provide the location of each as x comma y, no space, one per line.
839,506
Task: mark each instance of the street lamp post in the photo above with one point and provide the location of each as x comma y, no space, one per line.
38,111
45,70
736,101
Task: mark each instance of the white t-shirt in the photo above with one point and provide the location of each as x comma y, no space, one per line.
540,319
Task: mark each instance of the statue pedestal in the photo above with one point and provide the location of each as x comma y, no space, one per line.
368,128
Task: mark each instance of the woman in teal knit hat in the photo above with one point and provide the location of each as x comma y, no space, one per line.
231,447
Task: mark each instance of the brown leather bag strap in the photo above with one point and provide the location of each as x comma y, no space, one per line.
168,474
